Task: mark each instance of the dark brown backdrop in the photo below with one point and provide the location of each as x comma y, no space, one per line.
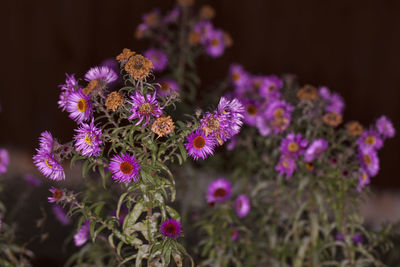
350,46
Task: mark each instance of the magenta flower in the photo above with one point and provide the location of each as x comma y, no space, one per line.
369,161
158,58
205,29
60,215
219,190
57,194
82,235
357,239
242,206
4,160
278,114
71,84
171,228
363,180
144,108
199,145
104,75
334,102
167,87
79,106
46,141
172,16
48,165
369,139
215,44
286,165
124,168
232,143
239,77
315,150
269,88
385,127
293,145
87,139
235,234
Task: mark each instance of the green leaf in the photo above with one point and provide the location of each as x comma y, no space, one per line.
132,217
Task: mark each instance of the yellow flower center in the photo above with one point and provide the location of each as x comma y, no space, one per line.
81,105
293,147
199,142
47,161
285,164
146,108
215,42
236,77
364,176
370,140
88,140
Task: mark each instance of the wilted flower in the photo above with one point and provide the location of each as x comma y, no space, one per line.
163,126
124,168
144,108
152,19
125,55
194,38
316,148
171,228
87,140
139,66
199,145
354,128
219,191
332,119
385,127
114,101
242,206
207,12
308,92
158,58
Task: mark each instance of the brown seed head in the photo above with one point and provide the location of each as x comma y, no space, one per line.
93,84
185,3
332,119
354,128
125,55
207,12
163,126
152,19
139,66
308,92
194,38
114,101
228,39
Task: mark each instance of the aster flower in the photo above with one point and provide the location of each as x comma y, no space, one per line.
124,56
79,106
307,92
370,139
235,234
144,108
278,115
293,145
60,215
219,190
270,88
315,150
363,180
152,19
385,127
242,206
4,160
215,45
332,119
239,76
207,12
103,74
334,102
32,180
251,112
199,145
71,84
357,239
286,165
46,141
48,165
205,29
139,66
369,161
82,235
172,16
233,112
141,30
57,194
158,58
339,237
171,228
167,87
114,101
215,125
354,128
87,139
163,126
263,126
124,168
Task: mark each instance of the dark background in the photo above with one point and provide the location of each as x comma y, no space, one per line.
350,46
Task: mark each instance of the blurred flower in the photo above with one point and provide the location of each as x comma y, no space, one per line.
286,165
139,66
332,119
48,165
199,145
219,190
172,16
369,139
194,38
315,150
363,180
242,206
167,86
269,89
238,75
79,106
205,29
252,109
185,3
357,239
278,115
307,92
144,108
32,180
152,19
293,145
124,168
158,58
215,45
60,215
82,235
4,160
235,234
339,237
114,101
207,12
369,160
87,140
354,128
385,127
171,228
334,102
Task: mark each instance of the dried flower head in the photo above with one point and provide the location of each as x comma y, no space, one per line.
163,126
194,38
114,101
184,3
92,85
139,66
308,92
152,18
207,12
228,39
354,128
125,55
332,119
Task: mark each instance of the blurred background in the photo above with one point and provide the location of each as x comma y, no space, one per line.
350,46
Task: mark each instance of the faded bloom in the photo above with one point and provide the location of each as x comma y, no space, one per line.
158,58
370,139
79,106
87,140
139,66
82,235
171,228
207,12
4,160
194,38
152,19
242,206
354,128
125,55
315,150
385,127
144,108
92,85
199,145
163,126
48,165
167,87
219,190
124,168
114,101
228,39
308,92
57,194
286,165
332,119
293,145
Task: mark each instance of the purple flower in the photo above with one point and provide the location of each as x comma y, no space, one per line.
104,75
205,29
167,86
315,150
242,206
239,76
57,194
4,160
263,126
232,111
82,235
235,234
357,239
79,106
278,115
339,237
363,180
334,102
87,139
385,127
286,165
269,89
144,108
369,161
48,165
32,180
369,139
215,125
60,215
158,58
293,145
71,84
124,168
199,145
219,190
252,110
172,16
171,228
46,141
215,44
